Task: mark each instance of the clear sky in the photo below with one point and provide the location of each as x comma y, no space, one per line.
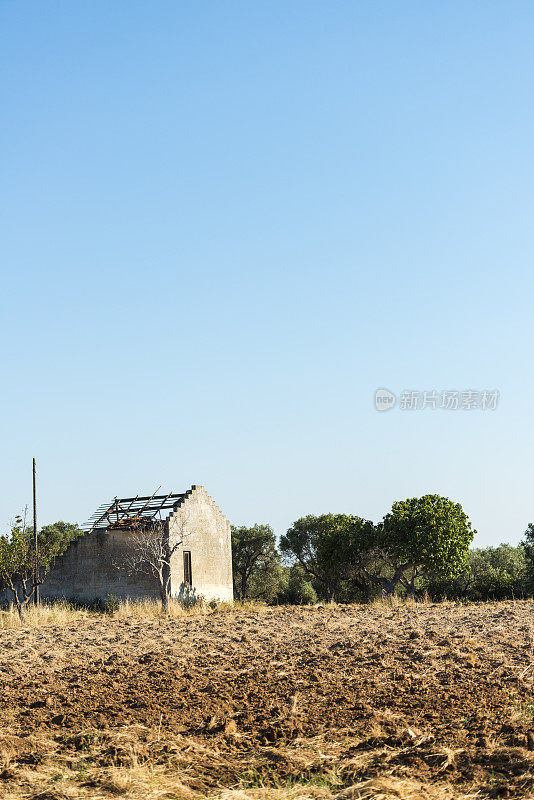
226,224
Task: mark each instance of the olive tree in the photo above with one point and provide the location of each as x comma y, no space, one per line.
490,573
331,549
255,562
57,536
297,589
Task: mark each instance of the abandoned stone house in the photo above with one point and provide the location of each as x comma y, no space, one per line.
95,566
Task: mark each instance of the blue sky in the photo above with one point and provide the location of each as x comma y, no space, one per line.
225,224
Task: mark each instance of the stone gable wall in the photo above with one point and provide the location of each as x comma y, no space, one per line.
206,534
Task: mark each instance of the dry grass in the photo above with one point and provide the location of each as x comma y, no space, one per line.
144,783
151,609
44,614
63,613
376,789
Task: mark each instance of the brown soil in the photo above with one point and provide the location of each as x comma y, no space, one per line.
437,695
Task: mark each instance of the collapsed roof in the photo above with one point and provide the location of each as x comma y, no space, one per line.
132,512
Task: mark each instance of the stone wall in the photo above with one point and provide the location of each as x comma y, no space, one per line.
88,570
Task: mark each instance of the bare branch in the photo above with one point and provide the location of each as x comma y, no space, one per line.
151,552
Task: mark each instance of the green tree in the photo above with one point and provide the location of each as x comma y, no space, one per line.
298,589
505,573
528,545
17,564
269,582
429,534
490,573
56,537
255,562
20,569
331,549
498,572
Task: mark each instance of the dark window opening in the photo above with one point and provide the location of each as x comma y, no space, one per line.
188,575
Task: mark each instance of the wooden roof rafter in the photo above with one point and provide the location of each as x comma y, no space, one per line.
132,512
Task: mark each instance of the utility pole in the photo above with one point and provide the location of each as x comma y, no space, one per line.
35,548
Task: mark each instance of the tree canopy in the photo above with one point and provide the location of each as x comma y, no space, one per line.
54,539
428,534
255,562
21,569
329,548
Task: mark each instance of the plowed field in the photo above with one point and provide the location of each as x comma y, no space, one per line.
434,700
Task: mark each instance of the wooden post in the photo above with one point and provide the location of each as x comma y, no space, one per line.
35,547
